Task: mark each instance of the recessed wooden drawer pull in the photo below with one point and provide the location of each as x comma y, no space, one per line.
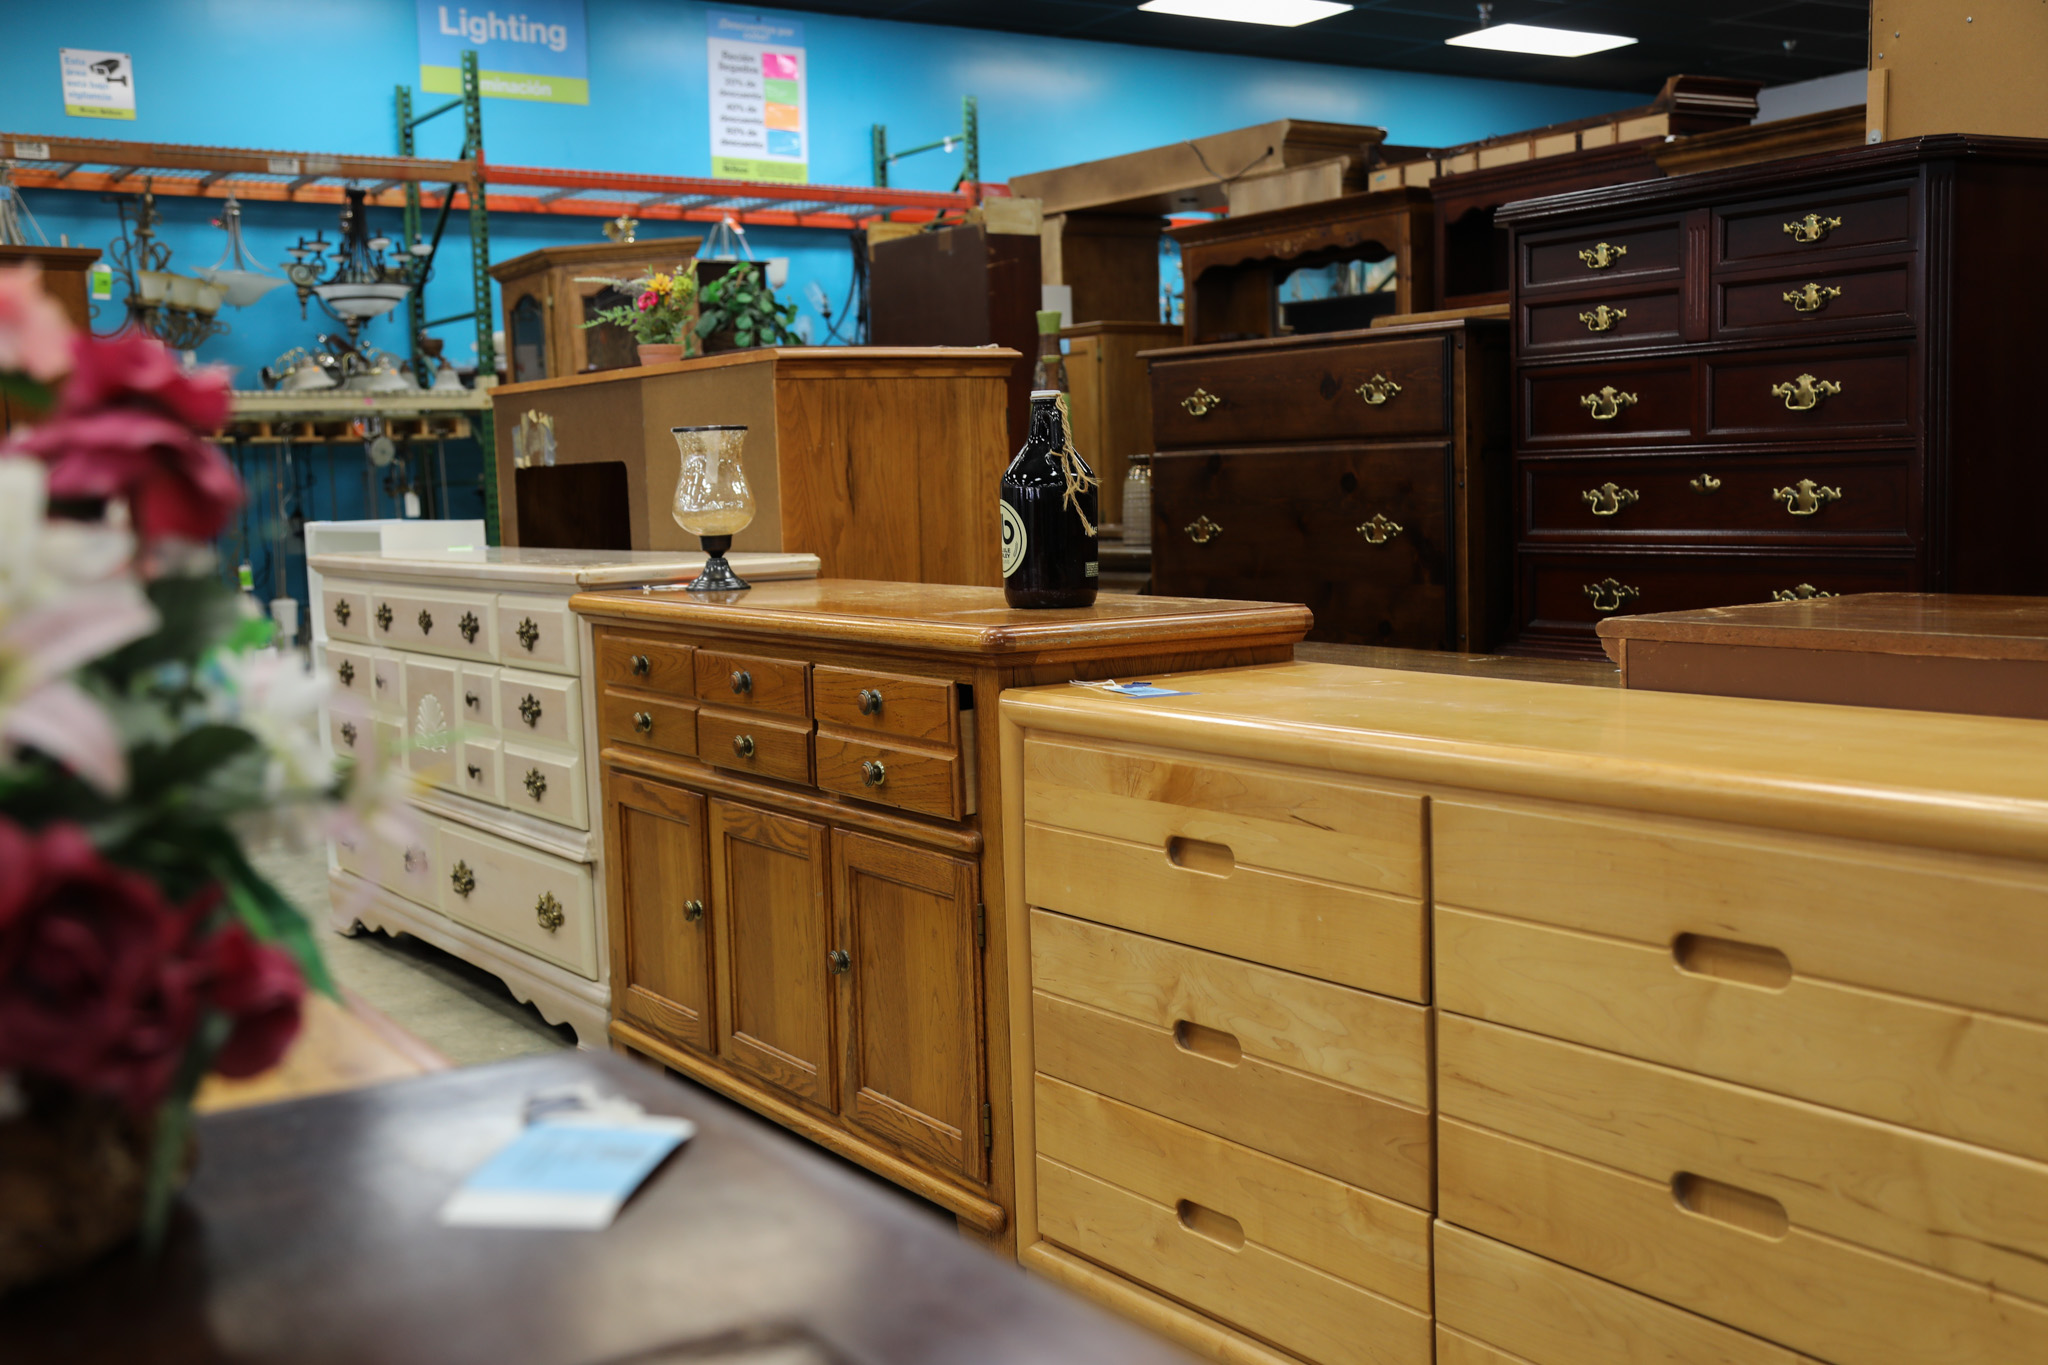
1219,1228
1805,393
1212,1043
743,745
1199,855
1609,594
1806,497
1813,297
1752,964
1377,390
1812,228
1202,530
1602,318
1200,403
1606,500
1380,529
1804,592
1754,1213
643,722
1607,404
1601,255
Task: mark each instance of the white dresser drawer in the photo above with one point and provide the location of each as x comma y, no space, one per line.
346,608
387,683
350,669
431,692
408,867
479,691
354,736
540,708
537,632
352,852
533,901
545,783
481,772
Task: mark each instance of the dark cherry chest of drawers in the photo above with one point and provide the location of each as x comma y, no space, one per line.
1788,380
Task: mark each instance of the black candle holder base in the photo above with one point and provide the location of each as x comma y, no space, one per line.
717,575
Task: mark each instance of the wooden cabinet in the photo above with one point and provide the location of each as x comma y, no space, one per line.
663,965
773,925
1111,399
548,295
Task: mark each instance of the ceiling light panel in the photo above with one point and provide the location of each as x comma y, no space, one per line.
1279,13
1540,42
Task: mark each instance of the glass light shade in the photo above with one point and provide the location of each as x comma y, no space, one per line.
712,496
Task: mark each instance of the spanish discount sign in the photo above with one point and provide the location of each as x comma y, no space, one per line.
760,115
530,50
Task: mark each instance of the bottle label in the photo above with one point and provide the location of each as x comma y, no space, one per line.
1090,569
1013,539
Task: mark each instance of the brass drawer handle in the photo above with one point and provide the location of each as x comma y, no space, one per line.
348,733
742,682
693,911
1201,402
1805,393
342,611
1202,530
529,711
476,774
347,673
643,722
472,700
383,616
1606,500
1379,530
1608,595
536,783
1812,228
743,745
871,701
1602,318
469,626
840,961
528,633
640,665
1706,483
548,911
1601,255
378,679
1806,497
872,773
1813,297
462,879
1805,592
1377,390
426,621
1607,404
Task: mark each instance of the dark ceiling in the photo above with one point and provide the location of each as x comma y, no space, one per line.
1745,38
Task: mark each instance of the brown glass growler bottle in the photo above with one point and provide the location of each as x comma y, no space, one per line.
1049,554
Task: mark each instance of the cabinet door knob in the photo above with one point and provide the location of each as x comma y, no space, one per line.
1805,393
743,745
1609,595
693,911
548,911
1380,529
1202,530
872,773
1607,404
840,961
871,701
640,665
742,681
529,711
1812,228
643,722
1806,497
1201,403
1377,390
1607,499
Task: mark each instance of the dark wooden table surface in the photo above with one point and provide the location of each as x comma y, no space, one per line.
309,1234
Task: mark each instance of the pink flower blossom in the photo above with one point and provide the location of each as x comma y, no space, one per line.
648,301
35,336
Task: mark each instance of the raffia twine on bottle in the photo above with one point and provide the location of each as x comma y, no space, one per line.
1072,471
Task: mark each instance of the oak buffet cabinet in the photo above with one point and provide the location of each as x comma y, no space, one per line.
1382,1017
800,796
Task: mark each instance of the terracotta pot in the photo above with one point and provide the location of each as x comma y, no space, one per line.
72,1172
652,353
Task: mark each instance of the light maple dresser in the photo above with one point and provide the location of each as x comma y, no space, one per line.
1386,1017
467,668
800,801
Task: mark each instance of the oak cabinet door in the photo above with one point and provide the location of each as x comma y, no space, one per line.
664,951
911,1000
772,922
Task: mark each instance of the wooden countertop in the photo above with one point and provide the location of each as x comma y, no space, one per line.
949,618
1928,623
510,565
822,362
1973,783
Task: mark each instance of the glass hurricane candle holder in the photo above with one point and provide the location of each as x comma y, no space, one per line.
713,501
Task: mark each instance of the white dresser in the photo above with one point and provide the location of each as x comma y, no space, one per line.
467,668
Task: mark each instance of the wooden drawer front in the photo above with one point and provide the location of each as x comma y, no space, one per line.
1541,1313
482,772
387,683
530,900
1205,1259
1814,302
1565,595
346,611
433,720
927,781
1358,1237
407,866
1606,321
1351,1037
1576,257
1876,395
1973,1213
1292,526
1694,1246
754,744
1189,1074
1305,393
649,722
545,782
1305,825
861,702
538,632
1562,406
750,682
1816,497
1879,219
479,684
539,708
350,669
642,663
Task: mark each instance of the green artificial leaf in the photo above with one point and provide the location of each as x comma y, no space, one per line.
188,760
707,323
199,613
173,1125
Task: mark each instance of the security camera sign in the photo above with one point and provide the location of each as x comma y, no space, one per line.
98,84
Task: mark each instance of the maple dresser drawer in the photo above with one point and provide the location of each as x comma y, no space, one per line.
540,708
1355,391
762,745
649,722
1580,260
537,632
1301,1260
1817,226
753,682
863,702
1649,401
350,669
347,609
925,780
545,782
642,663
531,900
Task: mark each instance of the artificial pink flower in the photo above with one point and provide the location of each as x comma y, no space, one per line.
647,302
131,369
35,336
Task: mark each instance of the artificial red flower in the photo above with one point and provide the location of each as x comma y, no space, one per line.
259,988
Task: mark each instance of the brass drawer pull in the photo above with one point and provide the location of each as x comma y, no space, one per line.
1805,393
536,783
426,621
643,722
742,681
1608,595
528,633
1377,390
1706,483
1812,228
1200,403
693,911
383,616
1379,530
640,665
469,626
1606,500
1607,404
743,745
872,773
472,700
1805,592
378,679
1601,255
1806,497
529,711
348,733
840,961
347,673
1603,318
342,611
462,879
1202,530
476,774
548,911
871,701
1813,297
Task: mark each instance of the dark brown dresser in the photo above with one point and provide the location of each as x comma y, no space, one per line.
1789,380
1363,474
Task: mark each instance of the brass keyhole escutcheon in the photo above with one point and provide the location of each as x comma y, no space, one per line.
840,961
1200,403
1608,594
548,911
348,733
1202,530
1607,499
536,783
1813,297
461,878
643,722
1377,390
1805,592
1806,497
742,681
529,711
426,621
342,611
743,745
871,701
469,626
1380,529
1607,404
528,633
1805,393
1601,255
693,911
640,665
1602,318
1705,483
347,673
1812,228
384,616
872,773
